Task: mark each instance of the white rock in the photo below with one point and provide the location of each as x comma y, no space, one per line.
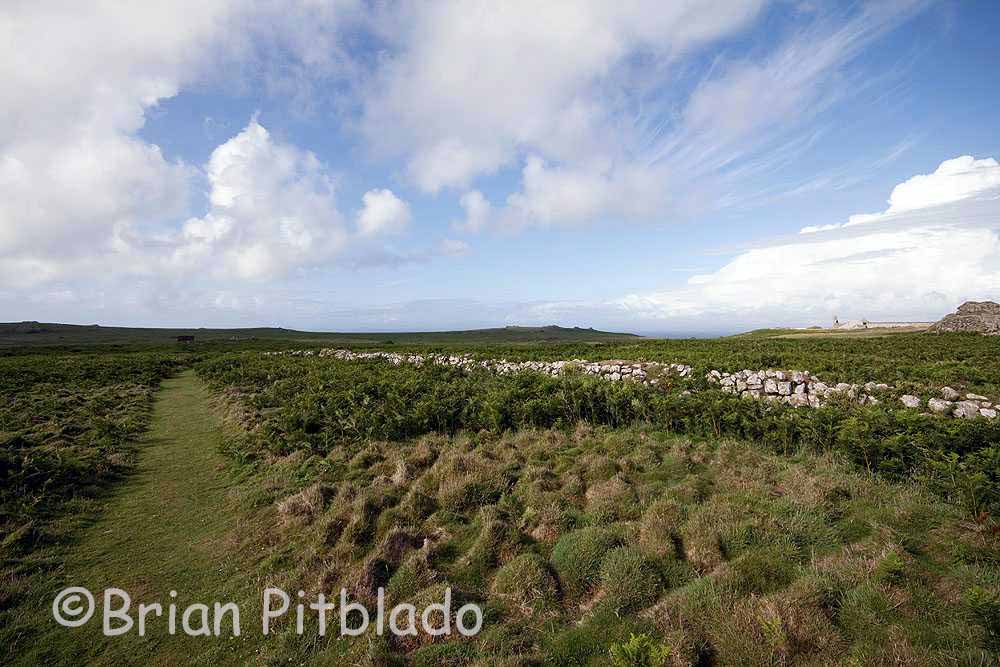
989,413
949,394
940,407
967,409
910,400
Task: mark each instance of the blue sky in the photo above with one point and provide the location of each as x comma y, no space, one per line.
400,166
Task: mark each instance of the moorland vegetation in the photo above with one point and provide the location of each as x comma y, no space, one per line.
596,522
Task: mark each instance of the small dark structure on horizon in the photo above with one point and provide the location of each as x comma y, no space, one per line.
185,339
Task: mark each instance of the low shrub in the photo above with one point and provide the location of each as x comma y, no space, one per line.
526,582
324,403
629,580
658,528
578,555
764,569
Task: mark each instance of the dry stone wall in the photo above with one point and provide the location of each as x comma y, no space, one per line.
795,388
650,373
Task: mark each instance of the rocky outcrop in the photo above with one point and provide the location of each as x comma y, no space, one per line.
971,317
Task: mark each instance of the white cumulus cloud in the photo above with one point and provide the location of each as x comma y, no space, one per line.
954,180
79,188
478,211
272,210
382,213
935,249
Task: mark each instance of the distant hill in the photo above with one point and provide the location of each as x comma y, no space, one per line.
18,334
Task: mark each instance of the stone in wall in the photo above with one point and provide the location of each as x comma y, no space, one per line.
940,406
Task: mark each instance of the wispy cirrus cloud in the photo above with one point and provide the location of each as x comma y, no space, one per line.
637,156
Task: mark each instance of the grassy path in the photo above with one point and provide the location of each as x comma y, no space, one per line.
169,527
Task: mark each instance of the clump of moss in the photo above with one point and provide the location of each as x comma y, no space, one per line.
436,595
550,521
444,654
599,468
360,528
629,580
472,490
577,557
575,646
891,567
611,501
425,451
508,640
763,570
865,612
984,608
526,582
413,575
307,503
658,528
497,542
419,502
367,457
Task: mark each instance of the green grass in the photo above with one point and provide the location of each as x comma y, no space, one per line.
729,554
68,425
170,526
318,404
593,521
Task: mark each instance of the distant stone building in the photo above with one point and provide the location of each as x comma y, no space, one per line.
868,324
